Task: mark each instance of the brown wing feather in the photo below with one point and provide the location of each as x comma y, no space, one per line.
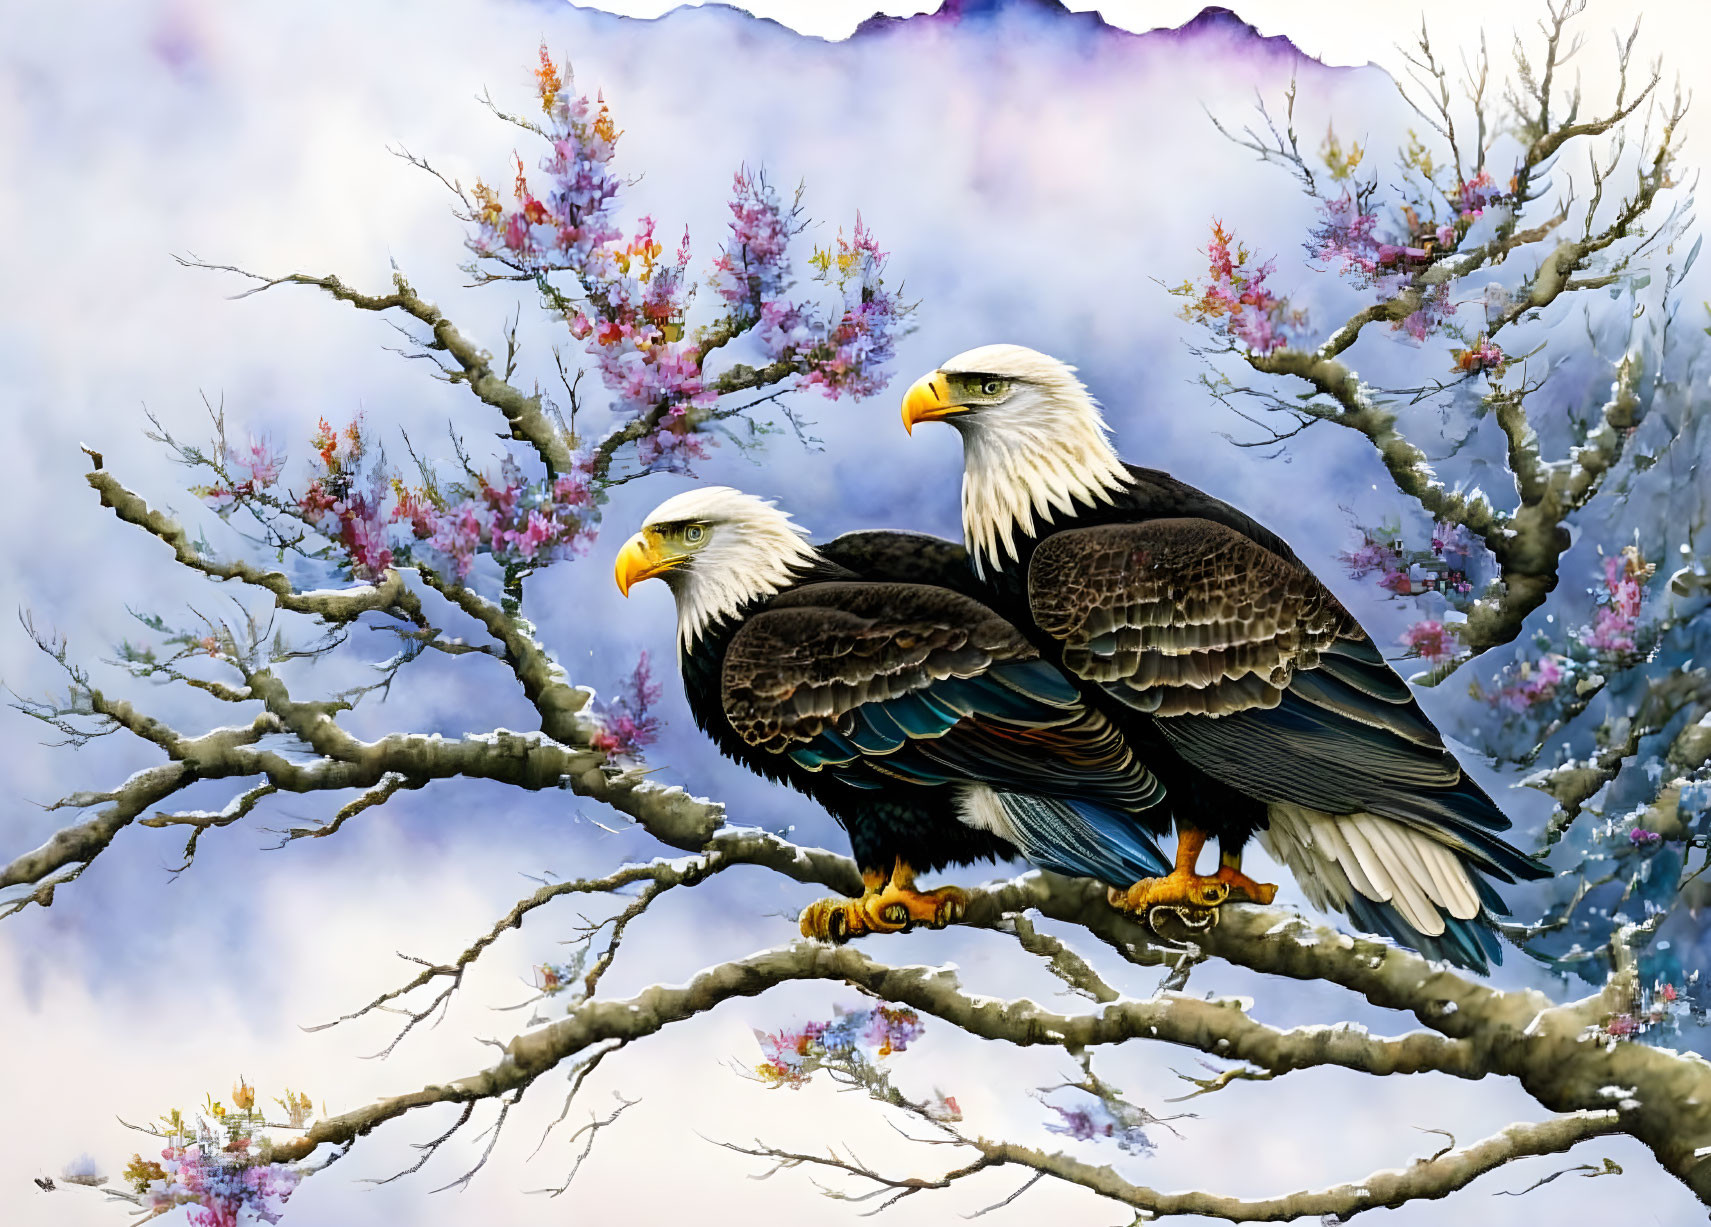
824,649
1182,616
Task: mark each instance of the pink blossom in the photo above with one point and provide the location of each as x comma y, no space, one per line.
628,723
1344,237
1397,581
1235,301
1435,307
256,464
755,264
456,537
1473,196
1617,618
1483,355
540,530
1370,557
572,489
1431,640
1534,682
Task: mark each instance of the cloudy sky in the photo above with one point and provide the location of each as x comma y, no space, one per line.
1035,180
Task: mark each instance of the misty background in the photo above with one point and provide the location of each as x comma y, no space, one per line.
1037,176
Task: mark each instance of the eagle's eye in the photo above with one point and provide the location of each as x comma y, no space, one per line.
991,387
694,533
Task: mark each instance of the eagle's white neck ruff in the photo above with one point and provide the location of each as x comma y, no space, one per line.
1037,454
753,550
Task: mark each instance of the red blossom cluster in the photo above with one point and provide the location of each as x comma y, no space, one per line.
1431,641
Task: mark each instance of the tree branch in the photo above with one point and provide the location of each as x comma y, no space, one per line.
1425,1180
524,412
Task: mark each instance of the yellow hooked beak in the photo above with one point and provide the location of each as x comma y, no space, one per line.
641,558
929,400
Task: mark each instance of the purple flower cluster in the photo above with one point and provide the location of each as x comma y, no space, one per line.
572,226
1091,1118
1414,573
224,1184
1346,239
631,303
1435,307
628,723
840,353
790,1057
1474,196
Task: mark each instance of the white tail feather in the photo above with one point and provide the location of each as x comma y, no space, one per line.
1338,856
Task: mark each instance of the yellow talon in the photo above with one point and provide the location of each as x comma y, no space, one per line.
1183,888
1244,889
887,905
1177,890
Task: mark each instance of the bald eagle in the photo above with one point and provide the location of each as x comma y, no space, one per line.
1257,699
928,726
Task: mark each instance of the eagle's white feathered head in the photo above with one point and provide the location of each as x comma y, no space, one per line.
717,549
1034,441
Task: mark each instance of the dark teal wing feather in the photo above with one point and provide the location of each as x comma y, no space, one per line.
886,681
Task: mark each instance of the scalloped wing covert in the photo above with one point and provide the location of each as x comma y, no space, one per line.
878,681
1181,616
